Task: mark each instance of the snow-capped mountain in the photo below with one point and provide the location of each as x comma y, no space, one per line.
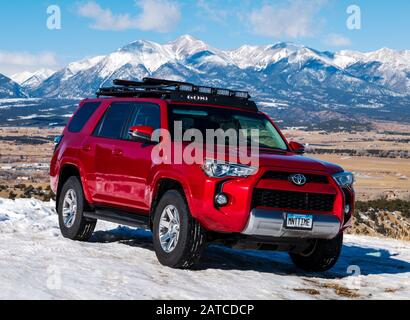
284,64
10,89
63,81
31,79
281,76
21,77
37,79
135,60
386,67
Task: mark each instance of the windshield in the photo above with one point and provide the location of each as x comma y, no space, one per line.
203,118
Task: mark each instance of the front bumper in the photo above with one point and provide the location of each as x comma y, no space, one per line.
272,224
239,213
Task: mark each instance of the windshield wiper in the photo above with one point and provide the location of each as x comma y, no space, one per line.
265,147
273,149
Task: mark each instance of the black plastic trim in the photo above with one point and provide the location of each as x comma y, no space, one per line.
119,216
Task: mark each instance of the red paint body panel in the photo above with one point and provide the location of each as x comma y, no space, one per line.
120,173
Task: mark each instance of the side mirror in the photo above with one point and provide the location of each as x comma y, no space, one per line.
297,147
141,133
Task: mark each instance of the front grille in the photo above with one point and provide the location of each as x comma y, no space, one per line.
292,200
310,178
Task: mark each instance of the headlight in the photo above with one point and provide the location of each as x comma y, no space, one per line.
344,179
217,169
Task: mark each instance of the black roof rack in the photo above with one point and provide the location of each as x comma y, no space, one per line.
149,81
177,91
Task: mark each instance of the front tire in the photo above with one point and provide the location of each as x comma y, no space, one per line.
179,239
321,256
73,224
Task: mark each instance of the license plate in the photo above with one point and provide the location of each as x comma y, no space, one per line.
299,221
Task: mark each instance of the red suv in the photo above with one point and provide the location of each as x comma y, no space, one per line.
103,168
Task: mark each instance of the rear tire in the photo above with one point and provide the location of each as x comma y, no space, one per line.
183,238
73,224
321,256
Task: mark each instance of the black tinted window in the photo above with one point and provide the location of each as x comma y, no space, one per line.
82,116
147,115
204,118
113,122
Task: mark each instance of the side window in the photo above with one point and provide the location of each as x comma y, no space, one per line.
112,124
146,114
82,116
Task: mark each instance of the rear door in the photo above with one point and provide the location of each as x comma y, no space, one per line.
106,140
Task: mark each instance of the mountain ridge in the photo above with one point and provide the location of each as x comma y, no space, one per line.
280,76
10,88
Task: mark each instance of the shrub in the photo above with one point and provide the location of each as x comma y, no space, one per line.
384,204
12,195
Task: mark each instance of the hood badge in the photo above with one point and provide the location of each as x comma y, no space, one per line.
298,179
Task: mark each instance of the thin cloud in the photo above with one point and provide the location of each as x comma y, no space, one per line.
295,19
16,62
338,40
156,15
212,11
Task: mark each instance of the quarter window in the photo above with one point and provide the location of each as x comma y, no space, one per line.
82,116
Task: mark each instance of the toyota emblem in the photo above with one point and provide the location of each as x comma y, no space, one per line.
298,179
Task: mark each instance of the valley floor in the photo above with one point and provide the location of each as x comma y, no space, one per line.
119,263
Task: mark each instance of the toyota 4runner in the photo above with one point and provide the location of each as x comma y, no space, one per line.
103,169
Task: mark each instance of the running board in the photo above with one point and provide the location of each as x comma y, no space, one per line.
120,217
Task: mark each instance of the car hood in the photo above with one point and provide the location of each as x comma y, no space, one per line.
275,159
297,162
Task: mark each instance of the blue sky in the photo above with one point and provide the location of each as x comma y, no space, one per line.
97,27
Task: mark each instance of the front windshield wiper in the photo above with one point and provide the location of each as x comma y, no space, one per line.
266,147
273,149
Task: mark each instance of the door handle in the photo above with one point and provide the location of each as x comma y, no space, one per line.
117,152
86,148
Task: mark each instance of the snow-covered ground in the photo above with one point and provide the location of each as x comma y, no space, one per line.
119,263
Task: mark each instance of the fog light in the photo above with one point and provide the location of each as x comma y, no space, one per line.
221,200
347,209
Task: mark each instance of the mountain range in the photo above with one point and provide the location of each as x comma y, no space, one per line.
11,89
288,80
31,80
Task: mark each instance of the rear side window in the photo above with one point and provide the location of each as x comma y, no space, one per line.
82,116
114,120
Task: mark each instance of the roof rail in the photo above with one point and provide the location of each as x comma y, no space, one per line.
178,91
148,82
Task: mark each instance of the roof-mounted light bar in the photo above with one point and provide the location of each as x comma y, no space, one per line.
223,92
205,90
214,91
153,84
185,87
178,91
